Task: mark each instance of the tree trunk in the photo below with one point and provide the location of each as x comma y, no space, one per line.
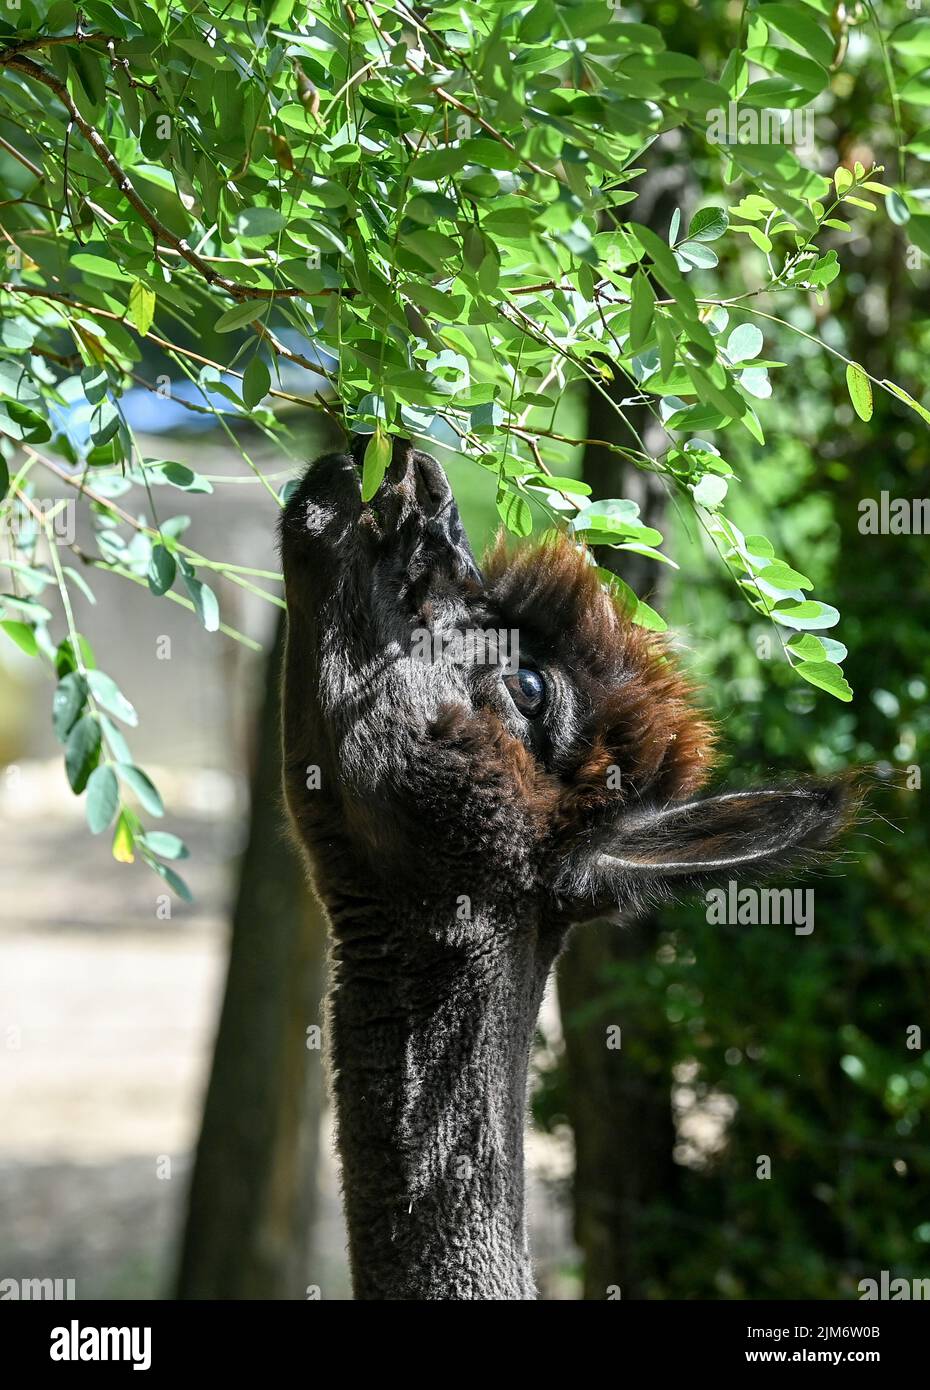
619,1107
253,1188
620,1099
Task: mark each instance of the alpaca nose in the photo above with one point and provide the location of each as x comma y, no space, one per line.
432,490
442,522
415,500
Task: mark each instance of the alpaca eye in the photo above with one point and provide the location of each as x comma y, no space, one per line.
527,689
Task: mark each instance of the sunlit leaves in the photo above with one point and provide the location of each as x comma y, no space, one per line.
445,219
860,390
123,848
781,594
206,604
108,695
633,606
141,308
514,512
165,845
375,462
22,634
744,343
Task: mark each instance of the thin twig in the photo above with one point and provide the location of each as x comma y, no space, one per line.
26,163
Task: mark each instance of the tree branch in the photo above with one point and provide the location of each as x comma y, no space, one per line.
13,50
55,298
26,163
123,182
449,100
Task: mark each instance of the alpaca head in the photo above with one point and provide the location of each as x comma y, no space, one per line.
500,732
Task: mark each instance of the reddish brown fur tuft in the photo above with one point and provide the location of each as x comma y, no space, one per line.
641,715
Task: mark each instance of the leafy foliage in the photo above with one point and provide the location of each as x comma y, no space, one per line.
432,201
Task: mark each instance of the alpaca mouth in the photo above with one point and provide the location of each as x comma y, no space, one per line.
411,529
414,516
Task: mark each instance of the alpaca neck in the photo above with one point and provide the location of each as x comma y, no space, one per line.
430,1050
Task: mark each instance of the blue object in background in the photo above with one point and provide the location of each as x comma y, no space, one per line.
149,412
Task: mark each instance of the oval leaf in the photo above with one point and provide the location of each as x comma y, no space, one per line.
860,391
102,798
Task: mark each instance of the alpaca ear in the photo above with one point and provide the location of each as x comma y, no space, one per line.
651,855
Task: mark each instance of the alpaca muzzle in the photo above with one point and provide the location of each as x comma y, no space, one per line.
415,517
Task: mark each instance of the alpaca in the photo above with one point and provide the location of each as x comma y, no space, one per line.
459,816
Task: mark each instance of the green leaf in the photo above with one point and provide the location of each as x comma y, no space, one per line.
108,694
810,648
902,395
28,607
180,476
809,614
23,424
633,606
238,316
82,751
206,604
79,582
164,845
782,576
162,570
23,635
66,658
141,310
827,676
514,512
641,311
89,69
113,737
256,382
375,463
100,265
102,798
797,23
67,703
174,881
255,223
143,788
708,224
692,255
898,211
710,490
913,37
744,343
156,134
860,390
